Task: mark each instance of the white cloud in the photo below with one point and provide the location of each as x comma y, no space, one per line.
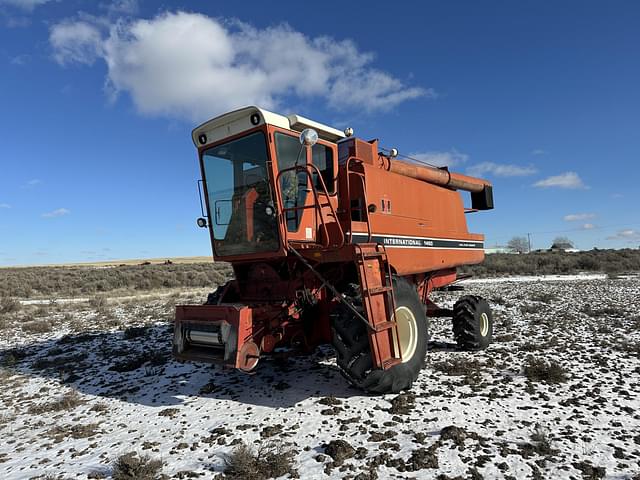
500,170
194,66
441,159
56,213
5,205
538,151
588,226
564,180
33,182
628,234
79,42
27,5
573,217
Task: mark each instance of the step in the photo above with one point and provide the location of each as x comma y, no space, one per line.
381,327
377,290
366,255
391,363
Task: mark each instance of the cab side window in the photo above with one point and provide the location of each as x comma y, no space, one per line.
322,157
292,185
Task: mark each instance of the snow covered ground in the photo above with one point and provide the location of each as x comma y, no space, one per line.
555,396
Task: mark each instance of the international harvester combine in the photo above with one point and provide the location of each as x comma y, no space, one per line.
332,240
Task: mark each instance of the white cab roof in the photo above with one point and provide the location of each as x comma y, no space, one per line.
247,118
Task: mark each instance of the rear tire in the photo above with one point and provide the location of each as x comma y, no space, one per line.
353,351
472,323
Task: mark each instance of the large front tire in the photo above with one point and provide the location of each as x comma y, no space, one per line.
353,351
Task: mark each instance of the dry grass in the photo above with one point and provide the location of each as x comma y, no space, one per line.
37,326
270,461
9,305
612,262
539,370
531,308
135,332
130,466
48,282
99,303
61,432
457,366
46,362
66,402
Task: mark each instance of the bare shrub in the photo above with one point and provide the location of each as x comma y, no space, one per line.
459,366
9,305
605,311
100,407
135,332
531,308
541,441
544,297
37,326
78,281
42,310
591,472
66,402
61,432
130,466
13,356
61,361
270,461
99,303
540,370
612,262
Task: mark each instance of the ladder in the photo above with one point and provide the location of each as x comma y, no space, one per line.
378,303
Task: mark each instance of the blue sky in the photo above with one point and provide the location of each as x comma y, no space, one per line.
98,101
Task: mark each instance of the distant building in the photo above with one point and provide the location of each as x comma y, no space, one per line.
563,247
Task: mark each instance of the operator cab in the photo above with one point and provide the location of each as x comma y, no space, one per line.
262,180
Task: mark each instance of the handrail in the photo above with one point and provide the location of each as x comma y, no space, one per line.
364,192
305,168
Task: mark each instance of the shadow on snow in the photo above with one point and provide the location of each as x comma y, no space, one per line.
138,368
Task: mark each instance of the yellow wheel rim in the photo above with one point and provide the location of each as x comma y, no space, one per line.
484,324
407,332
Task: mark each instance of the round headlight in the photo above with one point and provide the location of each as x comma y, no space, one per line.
308,137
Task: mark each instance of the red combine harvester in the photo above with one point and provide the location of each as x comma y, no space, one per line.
331,241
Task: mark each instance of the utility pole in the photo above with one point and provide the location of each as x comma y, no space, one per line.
529,237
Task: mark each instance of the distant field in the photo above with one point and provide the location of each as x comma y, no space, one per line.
142,275
73,281
612,262
134,261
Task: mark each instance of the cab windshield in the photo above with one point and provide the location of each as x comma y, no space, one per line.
241,204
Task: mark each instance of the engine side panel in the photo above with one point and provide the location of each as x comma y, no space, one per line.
422,226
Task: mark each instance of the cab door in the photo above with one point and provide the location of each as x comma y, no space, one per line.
296,194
